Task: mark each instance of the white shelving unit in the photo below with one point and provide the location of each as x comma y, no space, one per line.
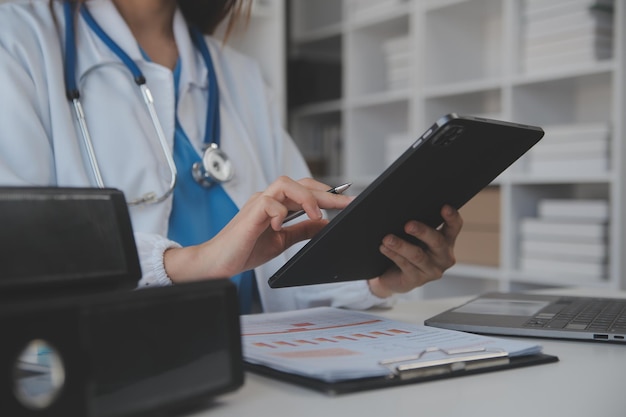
406,63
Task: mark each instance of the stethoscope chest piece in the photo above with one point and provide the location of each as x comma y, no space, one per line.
215,167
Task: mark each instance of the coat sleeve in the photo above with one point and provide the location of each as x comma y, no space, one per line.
150,248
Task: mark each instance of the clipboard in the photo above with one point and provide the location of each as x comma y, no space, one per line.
337,351
458,368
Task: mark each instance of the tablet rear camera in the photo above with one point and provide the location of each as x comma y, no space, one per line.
448,135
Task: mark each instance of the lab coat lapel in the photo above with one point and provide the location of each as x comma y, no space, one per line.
193,76
93,52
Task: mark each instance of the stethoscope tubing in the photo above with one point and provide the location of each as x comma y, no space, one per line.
74,95
206,174
149,100
87,142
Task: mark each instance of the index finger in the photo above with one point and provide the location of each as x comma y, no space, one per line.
314,184
322,192
287,192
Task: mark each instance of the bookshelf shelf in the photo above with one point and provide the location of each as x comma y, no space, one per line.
320,33
406,63
381,98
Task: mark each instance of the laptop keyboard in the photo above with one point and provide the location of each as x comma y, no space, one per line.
598,315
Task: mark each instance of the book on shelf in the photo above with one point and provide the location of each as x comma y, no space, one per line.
571,149
592,45
567,167
576,132
397,52
553,8
556,230
569,58
361,9
588,18
595,210
591,270
560,149
397,47
566,35
564,250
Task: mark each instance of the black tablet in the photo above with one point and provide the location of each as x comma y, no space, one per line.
450,163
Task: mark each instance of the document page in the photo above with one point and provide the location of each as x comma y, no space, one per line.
335,344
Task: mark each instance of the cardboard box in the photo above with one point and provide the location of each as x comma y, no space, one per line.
479,240
483,209
478,247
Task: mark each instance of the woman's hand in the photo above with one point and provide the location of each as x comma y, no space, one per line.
256,234
415,266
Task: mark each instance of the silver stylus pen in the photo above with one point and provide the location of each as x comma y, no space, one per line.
335,190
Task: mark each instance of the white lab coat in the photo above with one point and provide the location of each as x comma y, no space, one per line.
40,143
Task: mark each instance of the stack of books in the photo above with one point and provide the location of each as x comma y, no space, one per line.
397,52
569,237
558,33
572,149
360,9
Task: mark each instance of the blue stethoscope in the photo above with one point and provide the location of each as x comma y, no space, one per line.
215,166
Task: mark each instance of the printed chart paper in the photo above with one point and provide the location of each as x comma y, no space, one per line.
335,344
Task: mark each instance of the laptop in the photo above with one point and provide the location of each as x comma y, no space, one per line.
547,316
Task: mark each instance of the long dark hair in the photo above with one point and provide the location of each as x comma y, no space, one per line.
208,14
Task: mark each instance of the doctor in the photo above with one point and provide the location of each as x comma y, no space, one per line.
130,94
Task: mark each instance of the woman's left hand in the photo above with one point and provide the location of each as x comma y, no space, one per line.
414,265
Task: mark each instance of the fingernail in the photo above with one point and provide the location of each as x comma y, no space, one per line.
415,228
391,241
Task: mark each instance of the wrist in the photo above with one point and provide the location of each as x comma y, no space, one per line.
183,264
378,289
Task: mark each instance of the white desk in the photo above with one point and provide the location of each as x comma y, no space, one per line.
589,380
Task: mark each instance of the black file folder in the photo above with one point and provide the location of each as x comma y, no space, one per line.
364,384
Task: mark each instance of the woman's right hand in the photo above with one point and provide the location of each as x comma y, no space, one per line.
256,234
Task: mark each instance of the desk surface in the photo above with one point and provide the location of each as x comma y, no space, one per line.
588,380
